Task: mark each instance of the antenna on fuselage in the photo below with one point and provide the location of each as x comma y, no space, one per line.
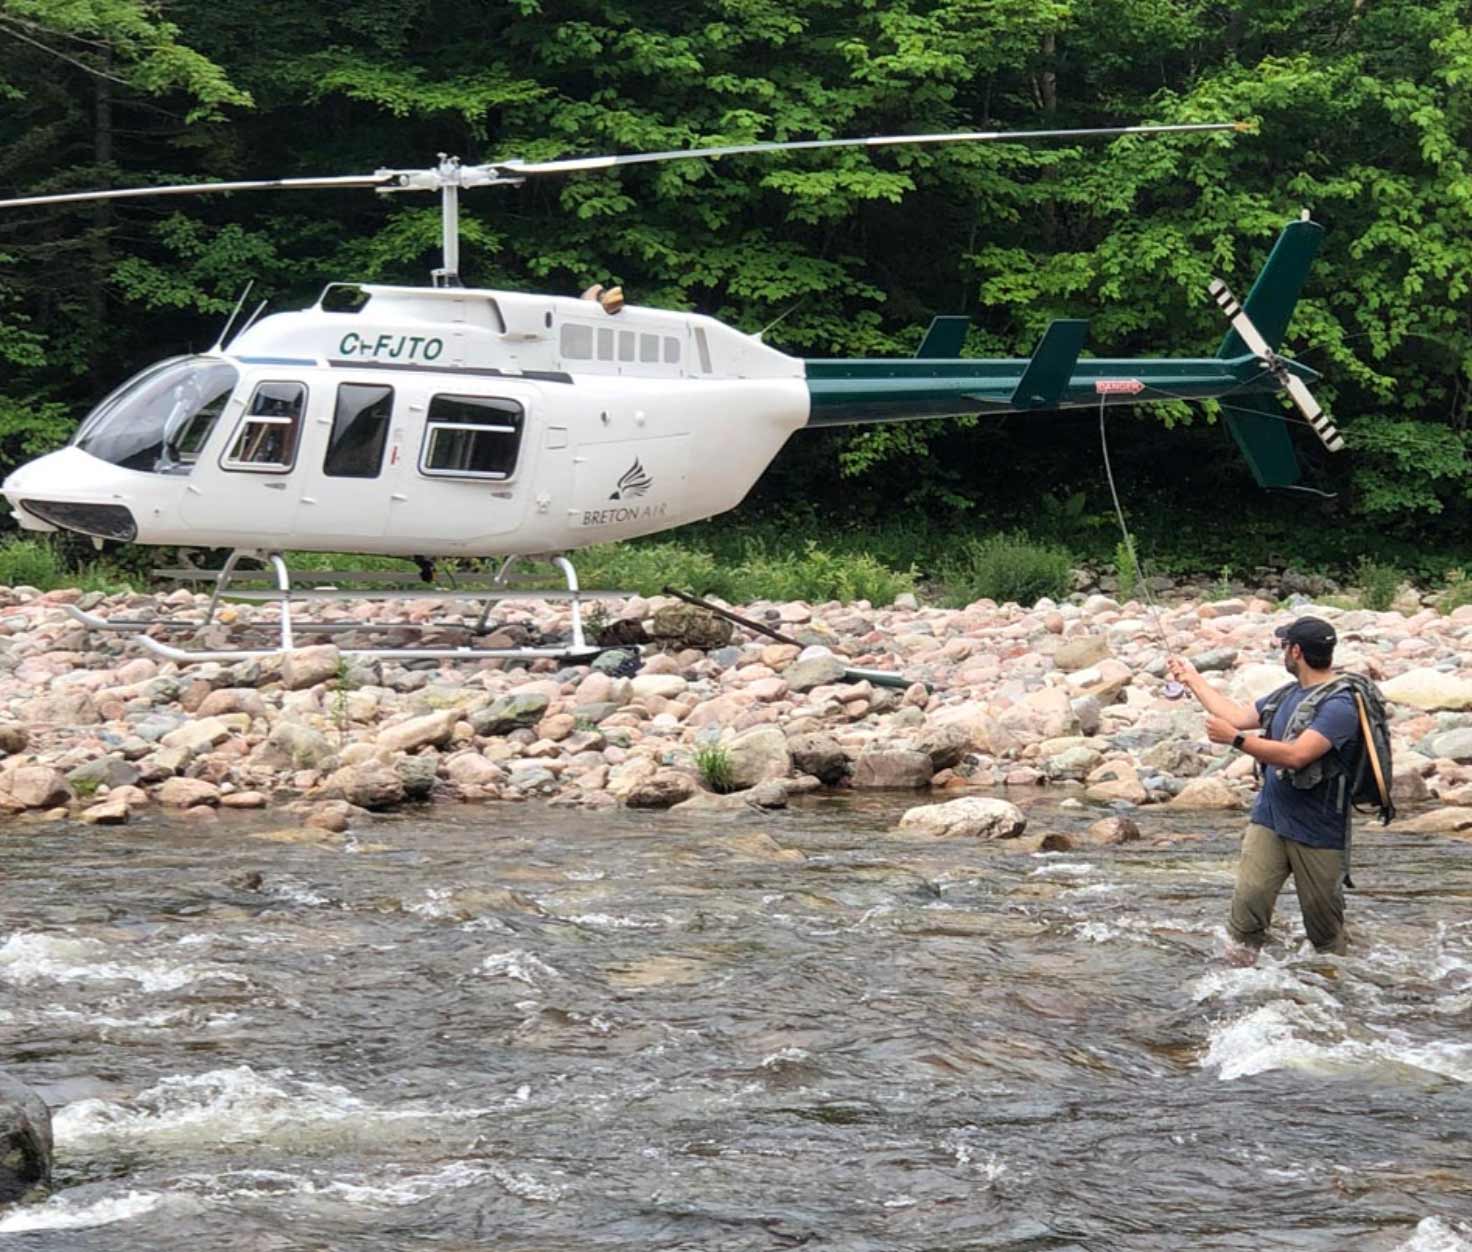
234,313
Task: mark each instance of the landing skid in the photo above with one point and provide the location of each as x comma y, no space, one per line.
502,587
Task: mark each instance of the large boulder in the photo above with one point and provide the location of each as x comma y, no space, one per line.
1080,653
816,671
756,755
25,1142
662,790
945,745
893,769
1429,689
298,745
306,667
1207,793
1443,821
503,716
432,729
1453,744
819,755
33,787
974,817
983,732
1044,714
370,785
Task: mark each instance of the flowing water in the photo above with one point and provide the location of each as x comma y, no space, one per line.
530,1028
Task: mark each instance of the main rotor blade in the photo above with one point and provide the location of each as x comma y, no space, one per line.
202,189
573,164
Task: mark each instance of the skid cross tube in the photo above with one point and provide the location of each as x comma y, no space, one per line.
502,589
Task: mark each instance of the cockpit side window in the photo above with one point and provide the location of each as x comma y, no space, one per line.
270,430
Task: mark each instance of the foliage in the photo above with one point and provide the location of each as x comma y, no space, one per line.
1007,567
816,575
1378,583
1363,114
42,563
29,563
1126,570
1458,592
714,763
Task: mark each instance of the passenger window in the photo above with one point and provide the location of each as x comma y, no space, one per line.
649,349
272,427
605,344
703,348
671,351
577,341
627,344
359,431
471,437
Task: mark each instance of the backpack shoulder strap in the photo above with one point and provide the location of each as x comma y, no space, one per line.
1270,708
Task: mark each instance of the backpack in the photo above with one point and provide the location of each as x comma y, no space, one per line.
1368,772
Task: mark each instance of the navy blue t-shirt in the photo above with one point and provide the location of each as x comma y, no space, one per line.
1312,817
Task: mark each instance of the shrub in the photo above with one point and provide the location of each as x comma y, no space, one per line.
1458,591
816,575
1126,571
30,563
644,568
1378,583
1007,567
714,764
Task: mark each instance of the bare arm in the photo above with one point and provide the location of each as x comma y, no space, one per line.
1299,751
1239,716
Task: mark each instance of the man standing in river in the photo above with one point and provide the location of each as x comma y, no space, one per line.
1300,823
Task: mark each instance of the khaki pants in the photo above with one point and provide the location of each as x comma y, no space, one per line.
1318,876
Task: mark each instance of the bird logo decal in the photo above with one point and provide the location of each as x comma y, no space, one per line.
635,482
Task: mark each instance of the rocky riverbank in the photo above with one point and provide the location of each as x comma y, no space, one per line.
996,699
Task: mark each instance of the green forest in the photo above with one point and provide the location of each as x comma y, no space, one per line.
1361,113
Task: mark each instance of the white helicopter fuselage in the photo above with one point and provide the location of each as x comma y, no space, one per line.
430,421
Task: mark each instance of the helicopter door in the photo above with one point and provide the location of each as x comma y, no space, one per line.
345,483
250,491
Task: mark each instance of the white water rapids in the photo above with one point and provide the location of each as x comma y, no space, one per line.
527,1027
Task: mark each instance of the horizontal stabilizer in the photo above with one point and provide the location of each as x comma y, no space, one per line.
944,338
1046,378
1258,426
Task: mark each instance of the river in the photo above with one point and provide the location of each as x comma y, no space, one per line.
525,1027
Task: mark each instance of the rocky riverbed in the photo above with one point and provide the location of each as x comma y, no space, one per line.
995,701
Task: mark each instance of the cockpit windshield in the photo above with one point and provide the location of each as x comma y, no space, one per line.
159,420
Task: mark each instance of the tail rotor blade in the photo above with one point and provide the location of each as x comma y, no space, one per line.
1299,393
1241,323
1296,388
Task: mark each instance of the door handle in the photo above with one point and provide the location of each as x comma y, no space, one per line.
275,486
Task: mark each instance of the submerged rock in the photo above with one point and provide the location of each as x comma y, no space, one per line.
25,1142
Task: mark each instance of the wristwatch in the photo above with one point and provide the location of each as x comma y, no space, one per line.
1238,740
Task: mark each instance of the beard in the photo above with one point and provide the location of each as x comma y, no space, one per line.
1290,664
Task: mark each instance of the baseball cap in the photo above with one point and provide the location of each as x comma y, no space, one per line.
1313,631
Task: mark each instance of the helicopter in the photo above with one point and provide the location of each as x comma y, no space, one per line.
451,421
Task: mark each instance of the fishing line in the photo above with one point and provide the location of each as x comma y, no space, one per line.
1173,690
